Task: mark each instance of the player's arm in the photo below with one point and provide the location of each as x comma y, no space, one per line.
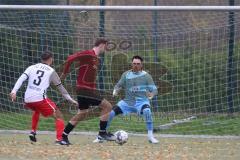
67,64
119,84
57,82
18,84
151,89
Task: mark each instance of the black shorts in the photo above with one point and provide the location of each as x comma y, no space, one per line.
87,98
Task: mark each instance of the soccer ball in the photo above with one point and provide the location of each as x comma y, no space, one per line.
121,137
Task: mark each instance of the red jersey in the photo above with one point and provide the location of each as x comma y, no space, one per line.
87,64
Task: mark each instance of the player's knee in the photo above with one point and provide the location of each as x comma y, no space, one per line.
58,114
117,110
105,105
144,107
147,111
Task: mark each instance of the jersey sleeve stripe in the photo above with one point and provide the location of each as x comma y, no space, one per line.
26,75
59,84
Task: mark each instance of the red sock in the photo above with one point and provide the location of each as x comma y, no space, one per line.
35,119
59,123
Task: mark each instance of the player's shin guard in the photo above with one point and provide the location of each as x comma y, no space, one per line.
149,123
148,118
69,127
59,123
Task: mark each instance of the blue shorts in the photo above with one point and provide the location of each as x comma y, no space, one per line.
126,109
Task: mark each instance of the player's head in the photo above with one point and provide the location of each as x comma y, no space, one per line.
101,44
47,57
137,63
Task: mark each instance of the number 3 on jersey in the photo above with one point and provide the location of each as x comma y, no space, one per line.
40,75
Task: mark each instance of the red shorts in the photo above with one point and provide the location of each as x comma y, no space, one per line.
46,107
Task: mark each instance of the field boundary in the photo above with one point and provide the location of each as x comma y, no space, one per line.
133,134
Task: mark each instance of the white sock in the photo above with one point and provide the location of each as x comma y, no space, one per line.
150,133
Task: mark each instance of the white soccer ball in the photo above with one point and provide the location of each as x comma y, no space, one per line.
121,137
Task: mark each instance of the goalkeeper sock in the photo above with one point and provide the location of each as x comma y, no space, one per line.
103,126
148,118
59,123
35,119
149,126
68,129
150,133
111,116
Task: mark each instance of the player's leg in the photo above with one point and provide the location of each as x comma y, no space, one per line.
106,108
147,114
72,124
81,115
84,104
121,108
59,125
103,134
35,120
49,108
115,111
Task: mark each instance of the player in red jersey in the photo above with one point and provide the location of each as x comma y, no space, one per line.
88,63
39,77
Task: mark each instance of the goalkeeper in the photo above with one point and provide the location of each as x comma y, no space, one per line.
139,89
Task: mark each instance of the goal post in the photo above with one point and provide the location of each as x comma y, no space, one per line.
120,8
196,75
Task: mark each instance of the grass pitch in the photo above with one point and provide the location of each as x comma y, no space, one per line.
17,147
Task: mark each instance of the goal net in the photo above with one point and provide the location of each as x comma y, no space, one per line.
193,57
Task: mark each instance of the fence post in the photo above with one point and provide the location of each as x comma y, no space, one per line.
101,34
230,59
155,49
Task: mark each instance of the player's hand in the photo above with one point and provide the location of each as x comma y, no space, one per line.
115,93
74,102
13,96
150,95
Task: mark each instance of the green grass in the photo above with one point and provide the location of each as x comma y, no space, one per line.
205,126
214,124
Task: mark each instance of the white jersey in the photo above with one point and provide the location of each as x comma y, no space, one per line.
38,82
39,77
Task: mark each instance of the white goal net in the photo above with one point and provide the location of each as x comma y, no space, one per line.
193,57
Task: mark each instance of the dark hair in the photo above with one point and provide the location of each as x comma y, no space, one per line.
46,55
137,57
100,41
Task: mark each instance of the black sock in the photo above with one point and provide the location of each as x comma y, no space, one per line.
68,129
103,126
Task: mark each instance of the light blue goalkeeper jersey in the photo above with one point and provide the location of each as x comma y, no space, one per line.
136,85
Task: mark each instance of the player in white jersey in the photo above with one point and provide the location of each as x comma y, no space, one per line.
139,89
39,77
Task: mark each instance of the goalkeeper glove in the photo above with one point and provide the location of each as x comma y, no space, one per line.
115,93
